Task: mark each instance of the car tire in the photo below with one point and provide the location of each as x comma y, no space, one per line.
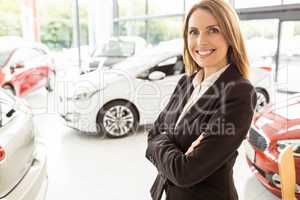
50,82
263,98
117,119
9,89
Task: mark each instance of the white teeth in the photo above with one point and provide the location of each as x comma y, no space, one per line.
205,53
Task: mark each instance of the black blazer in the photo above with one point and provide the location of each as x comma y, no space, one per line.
223,115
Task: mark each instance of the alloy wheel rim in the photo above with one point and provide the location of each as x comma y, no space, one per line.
118,120
261,101
9,90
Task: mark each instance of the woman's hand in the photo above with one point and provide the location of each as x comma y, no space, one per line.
194,145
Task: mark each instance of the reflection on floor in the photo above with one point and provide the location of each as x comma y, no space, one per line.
91,168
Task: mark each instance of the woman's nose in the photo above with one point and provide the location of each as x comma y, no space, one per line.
201,39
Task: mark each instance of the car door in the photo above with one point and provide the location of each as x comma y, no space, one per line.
40,68
17,141
153,95
26,70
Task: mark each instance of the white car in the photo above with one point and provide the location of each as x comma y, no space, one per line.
115,100
23,174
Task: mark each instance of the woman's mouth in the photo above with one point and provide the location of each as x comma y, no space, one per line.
204,53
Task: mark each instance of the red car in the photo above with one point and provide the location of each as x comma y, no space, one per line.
24,67
272,129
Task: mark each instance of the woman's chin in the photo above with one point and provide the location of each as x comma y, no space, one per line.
205,64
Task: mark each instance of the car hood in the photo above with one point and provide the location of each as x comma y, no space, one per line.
101,78
280,120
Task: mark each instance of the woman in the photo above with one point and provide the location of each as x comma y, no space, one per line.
194,141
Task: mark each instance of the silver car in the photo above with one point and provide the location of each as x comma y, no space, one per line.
23,174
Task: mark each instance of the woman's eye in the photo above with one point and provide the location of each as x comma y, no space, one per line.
193,32
213,30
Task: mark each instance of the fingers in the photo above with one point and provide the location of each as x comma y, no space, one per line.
199,138
189,150
194,145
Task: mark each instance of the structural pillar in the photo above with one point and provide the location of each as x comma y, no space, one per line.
30,23
100,15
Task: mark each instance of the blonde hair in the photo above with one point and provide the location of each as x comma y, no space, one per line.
228,22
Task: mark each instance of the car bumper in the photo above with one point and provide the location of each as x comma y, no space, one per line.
79,115
80,122
261,176
34,184
265,169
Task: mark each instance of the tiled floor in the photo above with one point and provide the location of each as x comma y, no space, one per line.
92,168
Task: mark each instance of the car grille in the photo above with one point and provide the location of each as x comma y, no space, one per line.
257,140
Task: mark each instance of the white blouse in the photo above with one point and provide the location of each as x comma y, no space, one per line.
200,89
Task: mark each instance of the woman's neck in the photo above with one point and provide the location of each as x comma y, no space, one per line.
209,70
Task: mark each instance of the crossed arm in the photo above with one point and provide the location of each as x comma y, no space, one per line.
186,169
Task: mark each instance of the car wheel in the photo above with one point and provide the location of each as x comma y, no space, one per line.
50,82
262,98
117,119
9,89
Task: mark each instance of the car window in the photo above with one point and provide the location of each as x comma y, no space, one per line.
3,57
171,66
115,49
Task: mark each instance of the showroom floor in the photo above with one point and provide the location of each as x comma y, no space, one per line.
92,168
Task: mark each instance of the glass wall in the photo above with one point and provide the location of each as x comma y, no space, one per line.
134,8
10,18
190,3
255,3
132,28
56,21
289,56
164,29
261,38
259,3
161,20
159,7
291,1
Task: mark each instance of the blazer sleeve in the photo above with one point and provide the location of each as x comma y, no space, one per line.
156,129
216,148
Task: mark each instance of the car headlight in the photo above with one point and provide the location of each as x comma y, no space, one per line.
295,144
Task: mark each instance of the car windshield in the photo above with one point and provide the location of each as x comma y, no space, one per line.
146,58
3,57
115,49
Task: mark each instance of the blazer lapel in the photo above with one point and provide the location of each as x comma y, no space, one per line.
187,91
204,104
180,100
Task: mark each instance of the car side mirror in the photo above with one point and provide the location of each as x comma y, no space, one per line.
19,65
16,66
156,75
12,68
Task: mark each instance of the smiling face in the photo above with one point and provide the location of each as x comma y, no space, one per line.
206,43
